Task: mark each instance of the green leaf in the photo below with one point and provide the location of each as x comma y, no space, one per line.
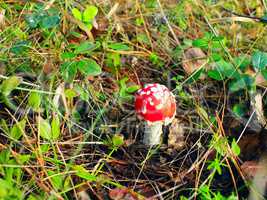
83,173
18,129
264,73
194,76
20,47
119,46
132,89
117,140
217,42
90,13
216,57
153,57
245,81
22,158
235,148
226,69
215,74
86,47
201,43
142,38
44,129
68,70
55,127
84,93
32,20
239,110
50,21
242,62
259,60
67,55
56,179
77,14
10,84
34,100
89,67
70,93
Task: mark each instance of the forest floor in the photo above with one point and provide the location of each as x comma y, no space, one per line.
69,71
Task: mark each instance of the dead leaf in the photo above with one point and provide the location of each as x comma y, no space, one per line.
260,80
193,59
83,195
176,135
2,18
249,168
123,194
48,66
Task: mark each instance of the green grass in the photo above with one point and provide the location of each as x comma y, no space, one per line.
69,71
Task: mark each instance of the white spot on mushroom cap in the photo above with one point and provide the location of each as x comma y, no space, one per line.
144,109
157,96
142,93
154,89
159,106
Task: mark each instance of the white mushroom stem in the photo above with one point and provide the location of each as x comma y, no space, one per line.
153,132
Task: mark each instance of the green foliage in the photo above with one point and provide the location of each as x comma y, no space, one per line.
209,41
77,14
44,129
34,100
223,70
49,131
42,18
178,15
117,141
259,60
8,191
55,127
86,66
89,67
126,92
219,143
9,85
239,109
70,93
83,173
118,46
235,148
87,16
17,130
86,47
11,178
242,62
20,47
205,193
245,81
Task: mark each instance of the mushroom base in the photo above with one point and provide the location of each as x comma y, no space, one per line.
153,132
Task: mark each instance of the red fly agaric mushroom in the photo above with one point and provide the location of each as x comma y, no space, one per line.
157,106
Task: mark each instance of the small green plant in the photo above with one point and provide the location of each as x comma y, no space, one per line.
43,18
205,193
87,16
126,92
72,64
6,88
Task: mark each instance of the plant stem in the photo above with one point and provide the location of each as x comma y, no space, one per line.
153,133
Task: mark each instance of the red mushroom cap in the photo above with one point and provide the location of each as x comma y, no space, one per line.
155,103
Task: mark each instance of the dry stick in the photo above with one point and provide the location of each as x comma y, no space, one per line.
145,24
250,118
64,161
168,24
